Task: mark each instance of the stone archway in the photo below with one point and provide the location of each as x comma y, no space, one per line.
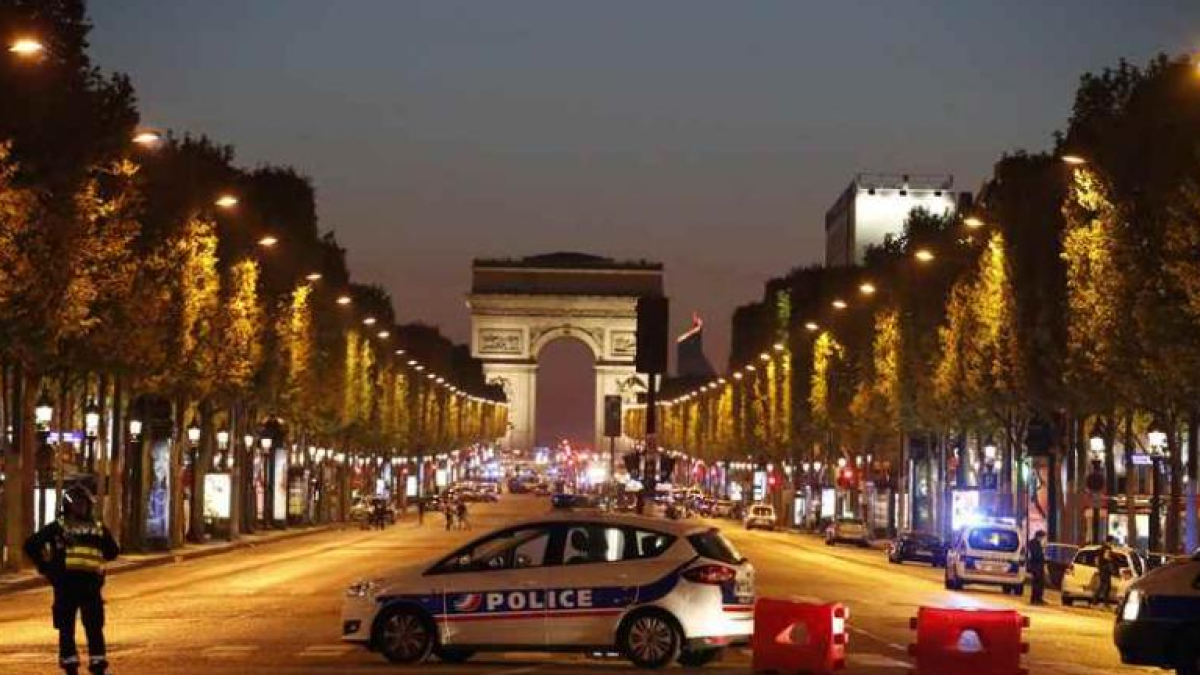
520,306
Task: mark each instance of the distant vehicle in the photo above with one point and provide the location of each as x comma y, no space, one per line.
1059,557
919,547
760,516
541,489
1081,578
656,591
847,531
1157,623
360,510
564,500
988,553
722,508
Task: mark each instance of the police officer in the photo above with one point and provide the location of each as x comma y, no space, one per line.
1037,569
1104,573
71,553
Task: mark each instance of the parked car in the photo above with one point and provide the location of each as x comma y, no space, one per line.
1058,559
988,553
847,531
722,508
761,516
1080,580
917,546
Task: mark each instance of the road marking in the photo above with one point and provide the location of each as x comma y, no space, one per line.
230,650
875,661
899,648
326,650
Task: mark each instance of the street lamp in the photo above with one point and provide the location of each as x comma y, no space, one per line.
1096,479
867,288
839,304
222,446
135,428
27,47
313,276
147,138
226,201
1074,160
268,241
344,300
91,429
1158,452
193,436
812,326
972,222
923,255
43,411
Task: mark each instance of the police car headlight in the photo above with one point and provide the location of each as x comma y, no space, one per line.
361,589
1133,606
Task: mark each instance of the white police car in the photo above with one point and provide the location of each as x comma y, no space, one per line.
654,590
1158,622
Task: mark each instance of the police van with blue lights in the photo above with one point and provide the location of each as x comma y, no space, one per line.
656,591
1158,622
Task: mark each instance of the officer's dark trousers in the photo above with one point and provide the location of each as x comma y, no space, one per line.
1037,594
80,597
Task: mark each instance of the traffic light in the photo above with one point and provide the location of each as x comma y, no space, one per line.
652,326
612,416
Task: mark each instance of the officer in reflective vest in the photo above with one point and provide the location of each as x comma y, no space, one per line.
71,553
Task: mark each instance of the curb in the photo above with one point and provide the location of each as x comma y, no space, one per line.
169,557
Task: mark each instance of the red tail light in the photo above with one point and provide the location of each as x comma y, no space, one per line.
710,574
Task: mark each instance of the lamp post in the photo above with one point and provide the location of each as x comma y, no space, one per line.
91,429
43,415
193,436
1095,478
224,461
1158,452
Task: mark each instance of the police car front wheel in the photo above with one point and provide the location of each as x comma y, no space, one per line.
404,635
651,639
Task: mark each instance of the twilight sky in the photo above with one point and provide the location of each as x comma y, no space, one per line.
709,135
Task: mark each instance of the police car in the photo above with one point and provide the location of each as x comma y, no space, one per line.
1158,622
656,591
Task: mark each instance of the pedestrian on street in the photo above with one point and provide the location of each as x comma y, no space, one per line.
448,511
1104,573
420,511
71,553
1037,568
461,513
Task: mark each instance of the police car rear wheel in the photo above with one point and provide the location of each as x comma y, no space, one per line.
651,640
405,636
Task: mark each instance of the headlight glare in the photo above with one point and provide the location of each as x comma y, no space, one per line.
1133,606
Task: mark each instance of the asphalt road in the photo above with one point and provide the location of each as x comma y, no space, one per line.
275,609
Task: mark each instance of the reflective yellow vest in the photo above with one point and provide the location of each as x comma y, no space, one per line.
83,541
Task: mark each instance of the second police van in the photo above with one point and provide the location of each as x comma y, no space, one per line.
656,591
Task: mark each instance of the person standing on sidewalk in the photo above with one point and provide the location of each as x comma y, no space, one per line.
1104,573
1037,569
71,553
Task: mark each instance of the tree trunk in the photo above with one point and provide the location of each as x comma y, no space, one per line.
116,472
178,447
1175,461
201,460
235,466
19,466
1193,437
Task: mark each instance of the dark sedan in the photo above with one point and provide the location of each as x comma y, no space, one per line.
918,546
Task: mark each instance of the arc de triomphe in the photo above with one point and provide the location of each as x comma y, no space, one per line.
520,306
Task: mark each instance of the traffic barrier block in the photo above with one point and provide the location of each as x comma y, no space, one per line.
799,637
975,641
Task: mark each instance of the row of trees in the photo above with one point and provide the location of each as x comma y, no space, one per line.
1055,320
138,267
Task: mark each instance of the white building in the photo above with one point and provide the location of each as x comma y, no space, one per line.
876,205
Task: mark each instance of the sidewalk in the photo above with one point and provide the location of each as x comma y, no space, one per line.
12,582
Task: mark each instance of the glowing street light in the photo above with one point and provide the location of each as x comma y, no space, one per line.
226,201
973,222
778,346
923,255
1074,160
383,334
866,288
812,327
399,352
313,276
268,241
369,321
27,47
839,304
147,139
344,300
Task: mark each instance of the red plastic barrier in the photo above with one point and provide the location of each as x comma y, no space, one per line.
796,636
958,641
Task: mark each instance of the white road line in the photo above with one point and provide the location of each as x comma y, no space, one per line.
899,648
229,650
326,650
874,661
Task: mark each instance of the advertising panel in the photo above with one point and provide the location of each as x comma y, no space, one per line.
279,490
158,512
217,495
